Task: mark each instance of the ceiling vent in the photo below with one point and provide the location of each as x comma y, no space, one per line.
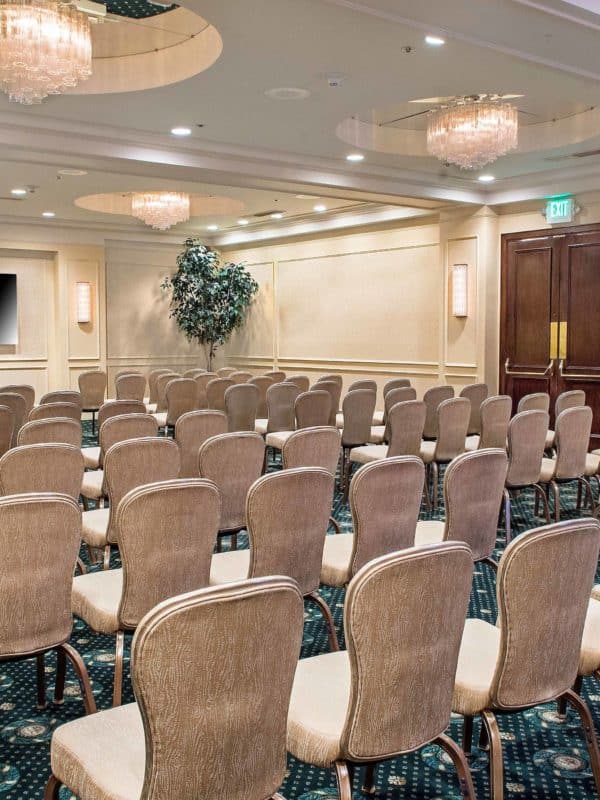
268,213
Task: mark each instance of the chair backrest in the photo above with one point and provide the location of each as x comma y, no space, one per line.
7,424
406,421
363,384
202,382
301,381
92,385
152,378
182,396
385,501
526,442
402,394
331,377
573,430
16,403
191,431
134,463
53,410
130,386
287,514
240,376
215,392
395,383
358,407
395,619
241,406
27,393
225,372
228,699
39,538
262,383
543,588
44,431
476,393
42,468
162,382
167,534
276,375
473,486
571,399
113,408
281,398
335,391
540,401
453,423
312,447
233,461
495,419
432,399
194,372
63,396
312,408
124,427
127,372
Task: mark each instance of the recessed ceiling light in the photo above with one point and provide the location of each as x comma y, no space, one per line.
486,178
18,192
212,227
243,222
435,41
307,196
355,157
320,208
287,93
48,214
74,173
276,215
181,130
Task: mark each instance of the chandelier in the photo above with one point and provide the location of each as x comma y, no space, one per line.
45,48
472,131
161,210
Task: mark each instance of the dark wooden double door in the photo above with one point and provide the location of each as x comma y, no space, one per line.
550,315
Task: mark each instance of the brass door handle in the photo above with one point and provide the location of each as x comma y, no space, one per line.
576,375
508,371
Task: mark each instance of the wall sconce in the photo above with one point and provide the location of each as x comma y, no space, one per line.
460,290
84,302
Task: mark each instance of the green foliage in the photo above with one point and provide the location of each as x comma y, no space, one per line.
209,300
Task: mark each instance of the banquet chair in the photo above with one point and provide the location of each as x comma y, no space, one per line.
357,409
232,461
240,376
287,515
130,386
181,396
390,692
194,372
393,383
44,431
433,398
18,406
571,399
301,381
162,381
530,656
62,396
222,701
92,385
40,468
53,410
167,534
215,392
363,384
311,411
202,382
27,393
380,434
335,390
241,406
475,393
225,372
277,376
39,538
329,377
191,431
589,658
539,401
281,398
153,376
452,425
93,455
385,501
7,423
494,420
262,383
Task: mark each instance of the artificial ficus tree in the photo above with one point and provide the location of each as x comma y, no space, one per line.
209,299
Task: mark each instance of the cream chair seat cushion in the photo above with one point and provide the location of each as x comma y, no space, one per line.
229,567
102,756
592,464
150,407
429,531
91,457
472,443
428,451
91,485
368,453
377,434
339,420
96,597
278,438
377,418
318,708
477,660
94,525
337,554
596,592
161,418
548,470
260,426
589,660
550,437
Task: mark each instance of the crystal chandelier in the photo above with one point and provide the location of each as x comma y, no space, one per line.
45,48
472,131
161,210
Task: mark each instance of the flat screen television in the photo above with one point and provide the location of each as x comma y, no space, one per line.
8,309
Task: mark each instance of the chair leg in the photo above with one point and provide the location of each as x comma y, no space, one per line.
507,525
591,741
61,671
118,684
335,524
556,495
435,477
588,490
106,559
368,786
343,780
40,664
82,677
81,566
52,788
490,562
578,502
460,764
234,541
328,616
539,492
496,762
467,735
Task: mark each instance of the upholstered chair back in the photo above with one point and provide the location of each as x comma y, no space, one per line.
573,431
233,461
313,408
152,378
453,423
262,383
194,372
167,534
191,431
406,421
395,383
312,447
124,427
473,486
130,386
16,403
476,393
540,401
113,408
162,382
27,393
403,637
363,384
39,539
215,392
222,735
126,372
335,391
277,376
7,424
63,396
202,382
42,468
526,442
241,406
281,398
240,376
301,381
329,377
495,418
571,399
182,396
134,463
402,394
543,588
43,431
54,410
432,399
92,385
385,500
225,372
358,408
287,515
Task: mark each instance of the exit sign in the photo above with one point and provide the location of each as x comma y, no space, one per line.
560,209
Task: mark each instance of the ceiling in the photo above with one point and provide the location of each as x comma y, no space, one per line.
265,151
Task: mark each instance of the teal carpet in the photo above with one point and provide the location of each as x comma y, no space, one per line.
544,758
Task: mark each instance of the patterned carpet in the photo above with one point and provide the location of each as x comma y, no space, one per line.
544,758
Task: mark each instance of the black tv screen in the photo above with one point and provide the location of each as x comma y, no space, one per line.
8,309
